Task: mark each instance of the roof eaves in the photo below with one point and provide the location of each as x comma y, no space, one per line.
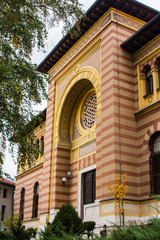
48,62
125,45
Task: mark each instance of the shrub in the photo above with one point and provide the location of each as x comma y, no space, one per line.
89,226
4,236
65,225
67,220
17,230
52,236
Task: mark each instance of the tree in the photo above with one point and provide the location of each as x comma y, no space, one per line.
22,27
119,190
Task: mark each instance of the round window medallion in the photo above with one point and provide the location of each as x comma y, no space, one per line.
89,111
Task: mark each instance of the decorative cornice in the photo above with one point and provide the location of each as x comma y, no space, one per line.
127,21
79,60
111,16
94,13
30,170
147,50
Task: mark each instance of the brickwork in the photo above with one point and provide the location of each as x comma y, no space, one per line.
94,122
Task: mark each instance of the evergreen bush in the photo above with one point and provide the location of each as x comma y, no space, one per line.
4,236
66,220
88,227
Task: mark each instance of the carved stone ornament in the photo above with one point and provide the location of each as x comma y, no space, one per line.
89,111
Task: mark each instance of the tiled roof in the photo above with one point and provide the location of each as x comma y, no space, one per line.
7,182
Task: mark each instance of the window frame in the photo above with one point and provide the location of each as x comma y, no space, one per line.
42,145
89,187
159,73
22,201
154,162
148,80
4,193
3,212
35,200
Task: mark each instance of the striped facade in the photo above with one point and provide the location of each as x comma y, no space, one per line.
119,139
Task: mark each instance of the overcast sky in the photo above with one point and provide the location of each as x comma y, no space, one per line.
54,37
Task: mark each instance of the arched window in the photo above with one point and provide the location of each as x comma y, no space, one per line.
157,66
159,73
154,146
21,210
38,143
35,200
42,145
149,80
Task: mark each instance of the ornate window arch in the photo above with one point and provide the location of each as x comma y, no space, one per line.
82,79
154,147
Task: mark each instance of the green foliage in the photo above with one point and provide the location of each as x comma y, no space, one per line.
22,27
4,236
17,230
53,236
66,222
150,231
89,226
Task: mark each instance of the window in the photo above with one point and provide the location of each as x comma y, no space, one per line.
157,66
159,73
149,80
21,210
89,111
35,200
89,193
42,145
154,146
3,212
4,193
38,143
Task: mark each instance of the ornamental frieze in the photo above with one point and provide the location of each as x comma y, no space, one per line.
147,51
127,21
91,36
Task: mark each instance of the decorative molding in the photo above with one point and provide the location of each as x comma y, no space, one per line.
147,50
76,65
89,76
127,21
87,148
94,31
30,170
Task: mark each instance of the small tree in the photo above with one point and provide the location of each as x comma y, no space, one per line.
119,191
65,221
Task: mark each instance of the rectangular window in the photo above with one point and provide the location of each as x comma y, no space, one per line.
4,193
89,193
3,212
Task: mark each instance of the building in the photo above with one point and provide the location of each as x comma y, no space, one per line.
7,188
104,116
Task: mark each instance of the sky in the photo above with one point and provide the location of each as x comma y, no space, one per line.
54,37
